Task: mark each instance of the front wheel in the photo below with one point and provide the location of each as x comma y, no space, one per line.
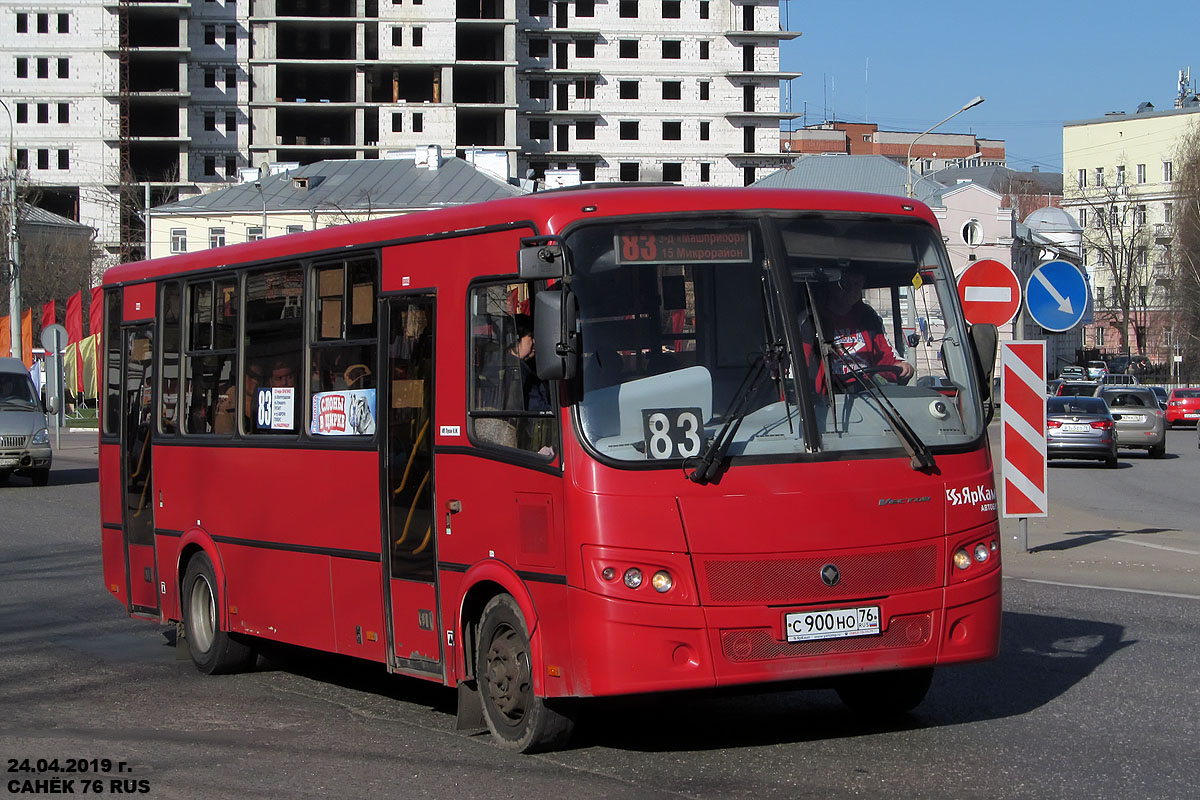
1159,450
518,719
883,694
41,477
213,650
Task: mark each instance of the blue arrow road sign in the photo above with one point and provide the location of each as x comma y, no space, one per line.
1056,296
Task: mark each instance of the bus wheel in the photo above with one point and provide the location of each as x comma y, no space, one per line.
213,650
882,694
41,477
518,719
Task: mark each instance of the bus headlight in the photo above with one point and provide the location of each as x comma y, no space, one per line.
633,577
981,553
962,559
41,437
661,581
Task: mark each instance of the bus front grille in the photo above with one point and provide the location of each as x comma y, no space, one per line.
759,644
13,441
766,580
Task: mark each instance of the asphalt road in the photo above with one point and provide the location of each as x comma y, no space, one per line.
1094,694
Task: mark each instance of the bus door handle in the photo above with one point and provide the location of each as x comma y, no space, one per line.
452,507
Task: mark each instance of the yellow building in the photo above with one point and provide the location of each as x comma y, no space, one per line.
1118,182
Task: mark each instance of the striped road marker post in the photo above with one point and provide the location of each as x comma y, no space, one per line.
1023,433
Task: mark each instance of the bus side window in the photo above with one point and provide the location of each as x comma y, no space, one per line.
274,330
209,399
342,380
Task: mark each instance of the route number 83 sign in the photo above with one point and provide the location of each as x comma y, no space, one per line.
672,432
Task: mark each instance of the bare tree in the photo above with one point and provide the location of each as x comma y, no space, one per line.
1117,239
1186,251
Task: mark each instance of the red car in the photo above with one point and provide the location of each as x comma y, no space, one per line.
1183,406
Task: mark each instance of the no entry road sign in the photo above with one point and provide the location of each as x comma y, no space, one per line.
990,292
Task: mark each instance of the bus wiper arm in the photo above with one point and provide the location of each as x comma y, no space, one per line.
920,456
718,446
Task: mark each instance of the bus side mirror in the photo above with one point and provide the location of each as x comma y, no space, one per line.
556,340
50,405
985,340
540,257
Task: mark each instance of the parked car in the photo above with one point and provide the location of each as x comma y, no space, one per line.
1080,427
1160,394
1183,406
1140,423
1052,386
1095,370
1120,379
1072,373
24,435
1068,388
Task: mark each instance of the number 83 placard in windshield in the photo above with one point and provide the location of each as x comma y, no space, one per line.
672,432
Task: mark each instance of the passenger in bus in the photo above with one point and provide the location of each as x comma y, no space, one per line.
253,380
282,375
855,334
524,390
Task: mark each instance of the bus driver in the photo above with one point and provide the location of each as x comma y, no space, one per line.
855,335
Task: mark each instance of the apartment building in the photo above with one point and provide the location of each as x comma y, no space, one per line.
120,105
1118,176
930,152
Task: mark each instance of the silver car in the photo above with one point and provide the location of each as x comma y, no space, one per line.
24,436
1080,427
1140,423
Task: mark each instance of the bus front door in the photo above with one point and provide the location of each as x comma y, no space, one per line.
138,507
409,524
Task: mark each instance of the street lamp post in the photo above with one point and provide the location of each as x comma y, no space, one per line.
14,287
908,160
263,197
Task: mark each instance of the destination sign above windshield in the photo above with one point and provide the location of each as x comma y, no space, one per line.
683,247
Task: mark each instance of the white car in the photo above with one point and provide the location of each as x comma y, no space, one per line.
24,435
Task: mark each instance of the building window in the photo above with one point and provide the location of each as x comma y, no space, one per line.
628,9
747,176
64,113
397,122
418,123
585,48
585,89
22,159
672,131
587,172
43,113
703,9
1141,173
1139,215
1081,178
22,113
231,78
43,159
43,68
1100,301
1099,176
671,48
1083,217
210,165
629,130
1140,258
704,130
22,22
178,240
230,166
231,122
1120,175
585,8
210,79
1144,296
1168,213
539,129
705,172
210,121
539,90
1168,172
629,171
294,229
670,9
231,34
22,68
585,129
43,23
210,34
397,36
216,237
418,37
672,172
704,51
64,23
628,49
672,90
628,90
539,8
64,159
748,139
64,68
539,48
704,90
254,233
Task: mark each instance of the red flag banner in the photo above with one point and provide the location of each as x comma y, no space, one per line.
75,317
48,315
27,338
96,311
5,337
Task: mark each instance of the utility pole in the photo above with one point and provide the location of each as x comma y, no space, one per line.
14,249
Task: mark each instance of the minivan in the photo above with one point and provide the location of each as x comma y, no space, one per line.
24,434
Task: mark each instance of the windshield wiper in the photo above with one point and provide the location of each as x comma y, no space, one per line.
718,446
920,456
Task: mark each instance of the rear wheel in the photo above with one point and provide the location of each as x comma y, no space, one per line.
213,650
1111,462
1159,450
41,477
883,694
4,473
518,719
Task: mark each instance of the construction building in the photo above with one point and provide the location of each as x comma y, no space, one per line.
121,105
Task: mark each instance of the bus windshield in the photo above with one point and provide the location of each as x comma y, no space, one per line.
756,330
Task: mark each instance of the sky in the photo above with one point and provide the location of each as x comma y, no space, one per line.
906,66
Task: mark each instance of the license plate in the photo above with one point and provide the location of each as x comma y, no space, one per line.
1134,417
1071,427
1191,414
9,461
831,623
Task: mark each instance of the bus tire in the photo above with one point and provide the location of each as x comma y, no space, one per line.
519,720
213,650
41,477
885,694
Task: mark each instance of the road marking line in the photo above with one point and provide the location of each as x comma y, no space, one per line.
1107,588
1155,546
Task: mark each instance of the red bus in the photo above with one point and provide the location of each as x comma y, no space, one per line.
581,443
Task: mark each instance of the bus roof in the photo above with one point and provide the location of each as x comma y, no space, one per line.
548,211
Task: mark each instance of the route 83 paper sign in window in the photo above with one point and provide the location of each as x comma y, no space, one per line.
672,432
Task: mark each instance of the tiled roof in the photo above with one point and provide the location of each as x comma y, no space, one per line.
875,174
